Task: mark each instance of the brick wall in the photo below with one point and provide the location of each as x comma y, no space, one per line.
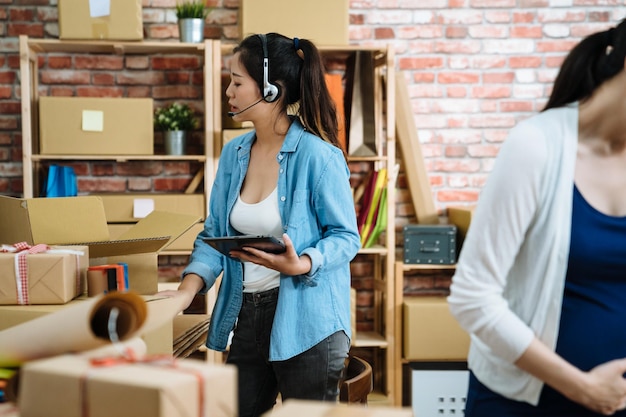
474,68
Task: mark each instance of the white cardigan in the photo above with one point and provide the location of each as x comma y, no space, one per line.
508,285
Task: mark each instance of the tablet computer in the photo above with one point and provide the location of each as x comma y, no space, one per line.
228,243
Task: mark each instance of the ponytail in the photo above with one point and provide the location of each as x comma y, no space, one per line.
594,60
317,109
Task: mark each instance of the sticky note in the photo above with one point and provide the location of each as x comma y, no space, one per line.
93,120
142,207
99,8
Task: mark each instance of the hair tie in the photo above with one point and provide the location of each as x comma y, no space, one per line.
609,35
296,46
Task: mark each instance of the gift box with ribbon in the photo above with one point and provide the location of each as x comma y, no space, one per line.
75,386
42,274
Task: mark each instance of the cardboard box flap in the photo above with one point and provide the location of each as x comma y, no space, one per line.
53,221
161,223
125,247
14,224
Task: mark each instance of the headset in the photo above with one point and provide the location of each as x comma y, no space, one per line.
270,91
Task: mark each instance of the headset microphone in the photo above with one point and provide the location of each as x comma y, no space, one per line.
235,113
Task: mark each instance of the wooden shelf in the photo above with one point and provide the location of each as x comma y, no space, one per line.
370,339
119,158
426,267
114,47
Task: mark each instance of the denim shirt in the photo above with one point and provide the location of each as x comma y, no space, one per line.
317,212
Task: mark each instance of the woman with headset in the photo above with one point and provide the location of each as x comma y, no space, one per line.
289,313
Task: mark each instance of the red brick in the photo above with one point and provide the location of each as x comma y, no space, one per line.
138,91
525,62
64,77
458,77
34,30
499,77
172,92
17,14
139,184
140,168
101,185
159,63
10,107
103,79
137,62
8,123
139,78
104,62
99,92
59,62
526,32
456,32
170,184
58,91
178,77
420,63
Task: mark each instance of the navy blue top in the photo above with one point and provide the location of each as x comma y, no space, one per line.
593,318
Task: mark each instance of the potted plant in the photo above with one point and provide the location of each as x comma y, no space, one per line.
175,120
191,15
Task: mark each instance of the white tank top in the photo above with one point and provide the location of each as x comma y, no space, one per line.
262,218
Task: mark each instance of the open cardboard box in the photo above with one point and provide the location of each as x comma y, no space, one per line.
82,221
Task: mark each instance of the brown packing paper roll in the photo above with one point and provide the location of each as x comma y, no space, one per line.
160,309
76,328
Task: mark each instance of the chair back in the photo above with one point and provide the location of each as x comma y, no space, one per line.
358,383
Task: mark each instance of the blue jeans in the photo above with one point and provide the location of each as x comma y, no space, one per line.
312,375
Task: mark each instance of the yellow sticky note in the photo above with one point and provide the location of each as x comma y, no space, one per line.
93,120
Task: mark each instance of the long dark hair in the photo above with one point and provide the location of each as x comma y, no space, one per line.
597,58
297,69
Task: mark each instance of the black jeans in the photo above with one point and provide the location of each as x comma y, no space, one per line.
312,375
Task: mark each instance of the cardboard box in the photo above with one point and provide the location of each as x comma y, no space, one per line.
159,341
53,277
430,331
122,20
303,408
278,16
81,221
64,385
182,243
128,208
96,126
461,217
185,241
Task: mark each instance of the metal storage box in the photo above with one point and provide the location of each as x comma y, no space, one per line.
430,244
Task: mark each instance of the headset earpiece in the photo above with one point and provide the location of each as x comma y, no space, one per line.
270,91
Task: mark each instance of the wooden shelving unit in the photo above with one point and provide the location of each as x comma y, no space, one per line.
31,49
382,340
400,269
